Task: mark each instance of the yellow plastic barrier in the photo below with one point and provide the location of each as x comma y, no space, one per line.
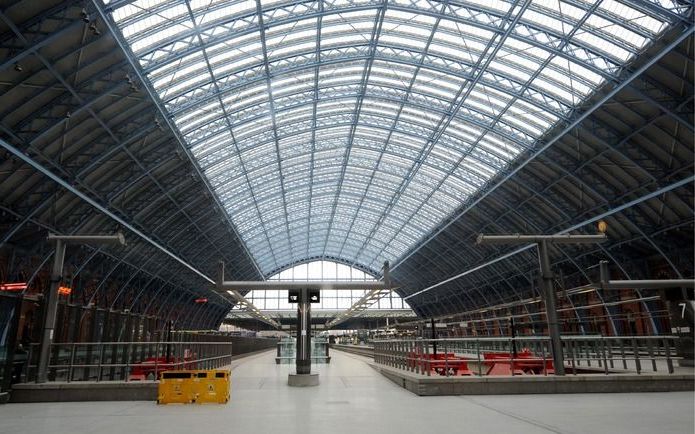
194,386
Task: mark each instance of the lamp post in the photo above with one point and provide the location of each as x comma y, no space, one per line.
547,287
51,303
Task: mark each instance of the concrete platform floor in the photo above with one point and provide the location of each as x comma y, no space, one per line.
353,398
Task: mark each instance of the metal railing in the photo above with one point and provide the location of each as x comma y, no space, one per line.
528,355
126,361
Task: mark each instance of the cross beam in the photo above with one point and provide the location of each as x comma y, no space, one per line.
368,299
233,291
606,283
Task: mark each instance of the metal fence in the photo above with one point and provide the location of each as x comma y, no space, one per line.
126,361
529,355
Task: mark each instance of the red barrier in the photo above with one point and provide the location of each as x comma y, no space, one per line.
524,363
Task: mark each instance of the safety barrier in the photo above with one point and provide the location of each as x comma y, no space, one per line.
528,355
194,387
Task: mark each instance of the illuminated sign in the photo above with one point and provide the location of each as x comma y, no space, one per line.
13,287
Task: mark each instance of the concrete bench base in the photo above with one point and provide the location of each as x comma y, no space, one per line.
507,385
303,380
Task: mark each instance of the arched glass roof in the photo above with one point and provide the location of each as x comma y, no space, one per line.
351,128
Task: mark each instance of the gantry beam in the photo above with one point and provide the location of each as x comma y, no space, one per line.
368,299
309,284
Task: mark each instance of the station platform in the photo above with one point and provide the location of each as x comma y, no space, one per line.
354,398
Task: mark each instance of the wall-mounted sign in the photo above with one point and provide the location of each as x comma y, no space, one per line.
314,295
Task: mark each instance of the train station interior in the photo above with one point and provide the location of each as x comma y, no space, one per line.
378,216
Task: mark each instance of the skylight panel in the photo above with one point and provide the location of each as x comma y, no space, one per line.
138,7
497,5
547,21
287,39
616,52
206,11
635,17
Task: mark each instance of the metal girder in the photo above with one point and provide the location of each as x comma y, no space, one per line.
373,41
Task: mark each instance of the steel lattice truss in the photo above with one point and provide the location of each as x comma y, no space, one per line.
350,129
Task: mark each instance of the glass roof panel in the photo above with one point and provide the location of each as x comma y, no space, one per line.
349,129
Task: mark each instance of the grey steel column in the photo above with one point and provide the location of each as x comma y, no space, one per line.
550,308
304,333
51,303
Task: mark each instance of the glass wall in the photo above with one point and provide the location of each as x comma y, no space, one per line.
331,299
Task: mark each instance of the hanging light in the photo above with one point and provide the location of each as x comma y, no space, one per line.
18,67
84,15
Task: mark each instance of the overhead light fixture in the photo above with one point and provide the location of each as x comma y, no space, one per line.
84,15
18,67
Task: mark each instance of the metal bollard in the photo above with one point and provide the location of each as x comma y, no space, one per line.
635,351
669,362
446,359
72,362
480,365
